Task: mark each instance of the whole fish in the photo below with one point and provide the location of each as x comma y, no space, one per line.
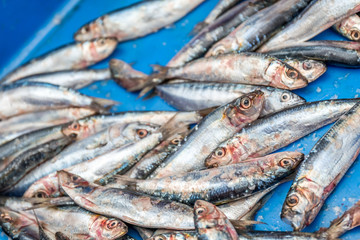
342,53
302,28
86,149
22,124
349,27
211,223
136,20
22,98
68,57
216,127
245,68
74,79
131,207
221,7
221,27
196,96
322,170
216,185
252,33
281,129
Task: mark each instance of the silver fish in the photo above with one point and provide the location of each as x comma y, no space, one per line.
72,56
309,68
349,27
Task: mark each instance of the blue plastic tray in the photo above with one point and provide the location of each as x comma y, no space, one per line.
31,28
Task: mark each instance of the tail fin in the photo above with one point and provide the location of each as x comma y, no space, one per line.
154,79
123,182
204,112
102,104
197,28
173,126
244,224
52,202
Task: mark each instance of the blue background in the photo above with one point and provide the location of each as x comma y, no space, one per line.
31,28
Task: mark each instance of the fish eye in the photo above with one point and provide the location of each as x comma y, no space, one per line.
218,51
141,133
285,97
74,178
286,162
355,35
246,102
292,200
75,126
175,141
291,73
112,224
6,217
102,41
87,28
307,65
220,152
40,194
200,210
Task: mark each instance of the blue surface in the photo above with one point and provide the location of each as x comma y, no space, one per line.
22,21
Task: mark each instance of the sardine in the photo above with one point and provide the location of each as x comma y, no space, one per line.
302,28
26,123
322,170
217,185
196,96
211,223
72,56
271,133
74,79
136,20
144,233
309,68
342,53
22,98
349,27
252,33
216,127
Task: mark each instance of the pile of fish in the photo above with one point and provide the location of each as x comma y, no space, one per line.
71,169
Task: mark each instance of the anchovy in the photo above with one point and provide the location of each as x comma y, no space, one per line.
74,79
252,33
26,123
72,56
281,129
221,27
302,28
349,27
216,127
196,96
342,53
22,98
322,170
136,20
217,185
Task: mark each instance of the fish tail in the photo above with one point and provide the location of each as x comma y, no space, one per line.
244,224
161,73
197,28
173,126
204,112
122,182
103,105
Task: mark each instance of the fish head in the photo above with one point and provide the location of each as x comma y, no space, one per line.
310,69
107,228
282,165
221,156
71,181
284,76
82,128
98,49
132,131
245,109
222,47
91,30
46,187
14,223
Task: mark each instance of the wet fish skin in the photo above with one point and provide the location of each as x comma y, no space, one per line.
222,26
196,96
282,129
131,207
343,53
302,28
73,56
220,125
75,79
317,176
144,233
211,223
26,123
143,17
242,180
349,27
252,33
310,69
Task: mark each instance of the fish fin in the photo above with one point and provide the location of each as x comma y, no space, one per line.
130,84
204,112
42,234
126,182
154,79
173,126
197,28
61,236
51,202
105,102
243,224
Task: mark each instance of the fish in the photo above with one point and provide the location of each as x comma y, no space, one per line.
220,28
22,98
211,223
302,28
216,127
75,79
343,53
131,207
310,69
322,170
69,57
26,123
100,143
349,27
216,185
221,7
195,96
281,129
136,20
178,235
256,30
144,233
